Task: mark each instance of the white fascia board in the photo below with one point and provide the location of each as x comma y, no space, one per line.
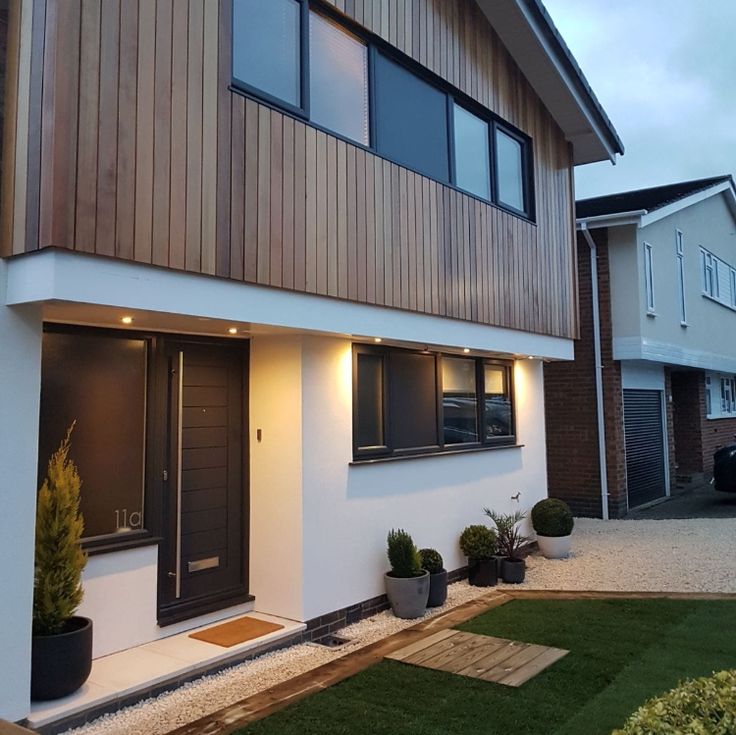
611,220
639,348
524,37
63,276
691,200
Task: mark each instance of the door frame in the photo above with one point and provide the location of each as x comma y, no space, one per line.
169,613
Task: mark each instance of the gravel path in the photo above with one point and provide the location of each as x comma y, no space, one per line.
660,556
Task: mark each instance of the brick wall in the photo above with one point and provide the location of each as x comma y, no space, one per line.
688,400
717,433
570,404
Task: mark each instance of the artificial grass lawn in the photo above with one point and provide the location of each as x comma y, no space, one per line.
621,653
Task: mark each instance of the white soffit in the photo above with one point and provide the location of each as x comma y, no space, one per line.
55,277
544,60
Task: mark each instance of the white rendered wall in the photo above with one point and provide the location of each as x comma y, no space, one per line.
642,375
120,598
348,510
276,475
20,383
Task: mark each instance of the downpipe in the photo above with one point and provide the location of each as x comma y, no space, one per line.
602,463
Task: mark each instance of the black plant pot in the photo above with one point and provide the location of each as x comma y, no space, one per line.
513,570
61,663
499,565
482,572
437,589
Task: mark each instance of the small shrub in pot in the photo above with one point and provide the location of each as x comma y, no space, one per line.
479,543
552,520
510,541
432,562
407,584
61,651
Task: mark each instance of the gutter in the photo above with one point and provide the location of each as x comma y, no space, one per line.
602,463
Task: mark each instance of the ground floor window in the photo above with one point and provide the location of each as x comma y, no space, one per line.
720,395
99,381
415,402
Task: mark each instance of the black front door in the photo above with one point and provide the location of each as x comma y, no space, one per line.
203,563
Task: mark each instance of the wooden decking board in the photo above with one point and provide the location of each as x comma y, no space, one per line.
484,657
421,644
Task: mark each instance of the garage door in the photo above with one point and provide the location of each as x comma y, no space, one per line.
645,461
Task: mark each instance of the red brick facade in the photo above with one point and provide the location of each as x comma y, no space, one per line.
570,398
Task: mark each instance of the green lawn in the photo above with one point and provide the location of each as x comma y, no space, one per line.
621,653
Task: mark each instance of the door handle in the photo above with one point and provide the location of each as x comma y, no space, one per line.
179,431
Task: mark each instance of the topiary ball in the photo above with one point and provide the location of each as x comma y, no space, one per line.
552,517
478,542
431,560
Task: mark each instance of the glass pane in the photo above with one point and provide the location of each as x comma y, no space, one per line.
497,402
266,47
413,407
472,161
338,77
370,401
411,120
510,171
100,382
459,400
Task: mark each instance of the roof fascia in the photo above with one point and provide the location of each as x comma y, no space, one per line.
725,187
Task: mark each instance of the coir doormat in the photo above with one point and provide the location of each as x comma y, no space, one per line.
236,631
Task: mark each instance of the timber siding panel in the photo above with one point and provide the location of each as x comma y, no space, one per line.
145,154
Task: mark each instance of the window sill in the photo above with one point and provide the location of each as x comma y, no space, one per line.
113,543
652,314
426,455
726,417
718,301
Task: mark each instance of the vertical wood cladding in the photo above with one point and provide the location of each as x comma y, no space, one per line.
137,149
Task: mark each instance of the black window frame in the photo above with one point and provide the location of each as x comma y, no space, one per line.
375,44
149,533
301,111
387,450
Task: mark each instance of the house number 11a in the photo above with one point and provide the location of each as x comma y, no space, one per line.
132,520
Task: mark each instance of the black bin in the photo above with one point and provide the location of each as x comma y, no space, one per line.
724,469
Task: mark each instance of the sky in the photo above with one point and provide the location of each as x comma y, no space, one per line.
665,72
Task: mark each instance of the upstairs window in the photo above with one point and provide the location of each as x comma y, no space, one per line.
472,152
411,119
510,166
649,277
333,75
338,79
680,251
408,402
267,48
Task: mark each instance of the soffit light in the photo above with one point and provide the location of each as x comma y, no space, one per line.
232,330
127,320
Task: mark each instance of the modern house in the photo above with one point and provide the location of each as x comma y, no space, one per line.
651,393
293,268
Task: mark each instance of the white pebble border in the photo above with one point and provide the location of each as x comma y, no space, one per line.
634,556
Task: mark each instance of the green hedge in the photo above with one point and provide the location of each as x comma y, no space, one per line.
705,706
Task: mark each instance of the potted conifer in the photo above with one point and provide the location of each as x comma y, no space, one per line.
61,657
552,520
407,584
432,562
510,541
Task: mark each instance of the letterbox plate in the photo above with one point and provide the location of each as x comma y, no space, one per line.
200,565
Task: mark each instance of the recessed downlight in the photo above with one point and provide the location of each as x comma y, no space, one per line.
531,357
377,339
232,330
466,350
127,320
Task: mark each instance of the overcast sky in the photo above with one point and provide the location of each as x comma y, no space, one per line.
665,72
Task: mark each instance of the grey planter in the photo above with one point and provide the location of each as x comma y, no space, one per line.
513,570
437,589
554,547
408,595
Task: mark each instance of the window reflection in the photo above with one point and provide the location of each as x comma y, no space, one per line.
497,402
459,400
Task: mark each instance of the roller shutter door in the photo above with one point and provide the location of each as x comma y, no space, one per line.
645,459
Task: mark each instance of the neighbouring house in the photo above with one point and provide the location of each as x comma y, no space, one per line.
662,262
293,268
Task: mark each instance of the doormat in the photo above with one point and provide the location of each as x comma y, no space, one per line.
479,656
236,631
